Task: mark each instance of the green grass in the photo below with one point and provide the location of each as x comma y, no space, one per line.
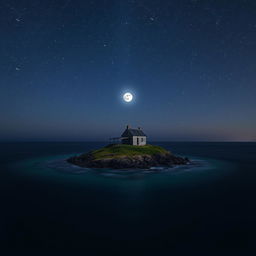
118,150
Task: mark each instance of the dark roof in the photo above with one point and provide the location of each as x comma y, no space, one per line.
133,132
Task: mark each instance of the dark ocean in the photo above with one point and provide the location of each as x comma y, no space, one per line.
50,206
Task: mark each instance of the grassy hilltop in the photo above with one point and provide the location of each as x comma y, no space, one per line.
119,150
121,156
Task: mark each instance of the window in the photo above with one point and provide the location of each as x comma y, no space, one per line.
141,139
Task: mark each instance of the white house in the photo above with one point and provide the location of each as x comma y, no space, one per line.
134,137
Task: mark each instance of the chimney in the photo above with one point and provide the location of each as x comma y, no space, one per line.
139,128
128,126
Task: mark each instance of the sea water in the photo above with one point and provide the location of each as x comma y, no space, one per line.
48,204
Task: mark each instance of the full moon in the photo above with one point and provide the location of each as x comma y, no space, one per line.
128,97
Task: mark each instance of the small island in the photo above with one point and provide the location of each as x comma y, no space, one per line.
121,156
132,153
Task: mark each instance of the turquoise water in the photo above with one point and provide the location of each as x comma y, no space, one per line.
49,204
58,169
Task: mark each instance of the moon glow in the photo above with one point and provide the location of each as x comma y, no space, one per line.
128,97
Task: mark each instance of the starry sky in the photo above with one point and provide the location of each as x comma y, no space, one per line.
191,65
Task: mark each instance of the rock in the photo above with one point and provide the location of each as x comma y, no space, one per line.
143,161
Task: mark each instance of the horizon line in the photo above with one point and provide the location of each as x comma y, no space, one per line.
104,141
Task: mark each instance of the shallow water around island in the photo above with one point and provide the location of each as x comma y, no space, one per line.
49,204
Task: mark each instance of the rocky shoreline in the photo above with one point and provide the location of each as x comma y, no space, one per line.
126,162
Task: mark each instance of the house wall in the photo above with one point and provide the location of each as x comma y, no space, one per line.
128,141
141,143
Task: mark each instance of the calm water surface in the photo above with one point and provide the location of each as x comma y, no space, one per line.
50,205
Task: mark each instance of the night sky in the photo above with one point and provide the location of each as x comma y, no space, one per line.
65,65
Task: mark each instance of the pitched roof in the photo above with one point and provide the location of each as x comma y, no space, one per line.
133,132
